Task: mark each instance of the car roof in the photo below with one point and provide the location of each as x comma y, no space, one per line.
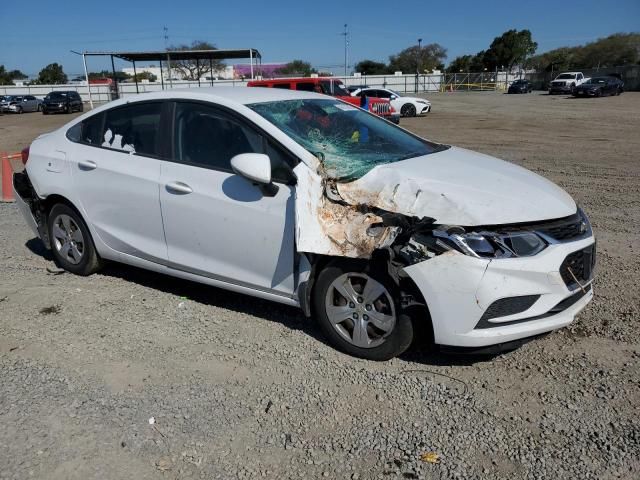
238,95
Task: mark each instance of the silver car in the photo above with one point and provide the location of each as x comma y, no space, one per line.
20,104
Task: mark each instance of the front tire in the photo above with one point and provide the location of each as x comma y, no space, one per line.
19,110
408,110
356,309
71,242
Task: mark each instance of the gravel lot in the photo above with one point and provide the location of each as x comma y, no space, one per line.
242,388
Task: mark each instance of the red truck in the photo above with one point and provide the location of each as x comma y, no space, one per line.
335,88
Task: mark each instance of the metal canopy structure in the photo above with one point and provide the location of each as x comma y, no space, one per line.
165,55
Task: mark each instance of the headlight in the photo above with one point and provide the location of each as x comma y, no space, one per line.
422,102
492,244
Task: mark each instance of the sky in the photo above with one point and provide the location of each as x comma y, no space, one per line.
40,32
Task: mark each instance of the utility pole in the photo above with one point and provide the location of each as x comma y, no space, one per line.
345,34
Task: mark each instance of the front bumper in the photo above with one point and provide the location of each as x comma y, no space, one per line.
560,89
425,109
395,118
585,93
459,289
54,107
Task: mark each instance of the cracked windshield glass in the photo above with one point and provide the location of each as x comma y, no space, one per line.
348,141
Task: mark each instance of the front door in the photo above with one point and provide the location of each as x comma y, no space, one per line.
218,224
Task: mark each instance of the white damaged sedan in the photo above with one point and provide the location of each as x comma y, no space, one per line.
308,201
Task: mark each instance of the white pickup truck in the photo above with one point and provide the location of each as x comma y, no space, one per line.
566,82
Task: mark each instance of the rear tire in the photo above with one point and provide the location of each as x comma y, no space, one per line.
356,308
71,242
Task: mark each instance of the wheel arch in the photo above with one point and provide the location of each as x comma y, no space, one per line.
411,301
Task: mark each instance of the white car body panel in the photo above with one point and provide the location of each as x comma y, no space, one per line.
225,228
224,233
121,197
460,187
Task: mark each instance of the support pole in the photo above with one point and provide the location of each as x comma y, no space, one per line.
115,80
135,76
161,75
169,67
251,61
211,70
198,70
86,76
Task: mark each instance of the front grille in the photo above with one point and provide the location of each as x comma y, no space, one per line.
381,108
580,265
562,230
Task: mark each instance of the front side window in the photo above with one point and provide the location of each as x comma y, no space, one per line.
348,141
208,137
133,128
284,86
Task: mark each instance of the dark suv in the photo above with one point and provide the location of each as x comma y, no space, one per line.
62,101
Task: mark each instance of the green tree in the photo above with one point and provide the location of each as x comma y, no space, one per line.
428,57
7,78
52,74
510,49
370,67
615,50
120,76
297,67
145,76
192,69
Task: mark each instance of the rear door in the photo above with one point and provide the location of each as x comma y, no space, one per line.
218,224
116,170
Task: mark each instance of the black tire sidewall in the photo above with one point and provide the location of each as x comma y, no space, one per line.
89,257
397,342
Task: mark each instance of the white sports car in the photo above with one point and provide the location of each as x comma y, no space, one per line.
407,106
309,201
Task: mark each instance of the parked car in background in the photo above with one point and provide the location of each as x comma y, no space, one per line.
566,82
62,101
333,87
407,106
520,86
297,198
599,87
20,104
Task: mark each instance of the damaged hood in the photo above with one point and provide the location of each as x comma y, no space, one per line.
460,187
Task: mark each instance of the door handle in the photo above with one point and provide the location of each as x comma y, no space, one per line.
179,188
87,165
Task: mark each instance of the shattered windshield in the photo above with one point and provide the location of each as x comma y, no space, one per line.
348,141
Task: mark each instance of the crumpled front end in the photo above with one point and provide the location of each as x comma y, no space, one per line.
481,285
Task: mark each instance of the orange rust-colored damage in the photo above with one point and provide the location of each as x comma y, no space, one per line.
348,228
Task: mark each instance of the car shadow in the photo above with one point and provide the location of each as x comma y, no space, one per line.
36,246
422,351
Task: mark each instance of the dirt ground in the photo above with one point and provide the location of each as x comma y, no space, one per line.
242,388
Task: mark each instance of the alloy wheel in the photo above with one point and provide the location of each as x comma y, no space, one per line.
67,239
360,309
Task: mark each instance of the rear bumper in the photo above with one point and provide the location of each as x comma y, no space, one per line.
459,289
23,206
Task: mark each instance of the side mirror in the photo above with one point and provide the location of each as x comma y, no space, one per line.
393,97
255,167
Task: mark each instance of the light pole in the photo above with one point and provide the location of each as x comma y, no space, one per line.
418,58
346,46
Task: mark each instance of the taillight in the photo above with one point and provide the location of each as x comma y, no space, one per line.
25,155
